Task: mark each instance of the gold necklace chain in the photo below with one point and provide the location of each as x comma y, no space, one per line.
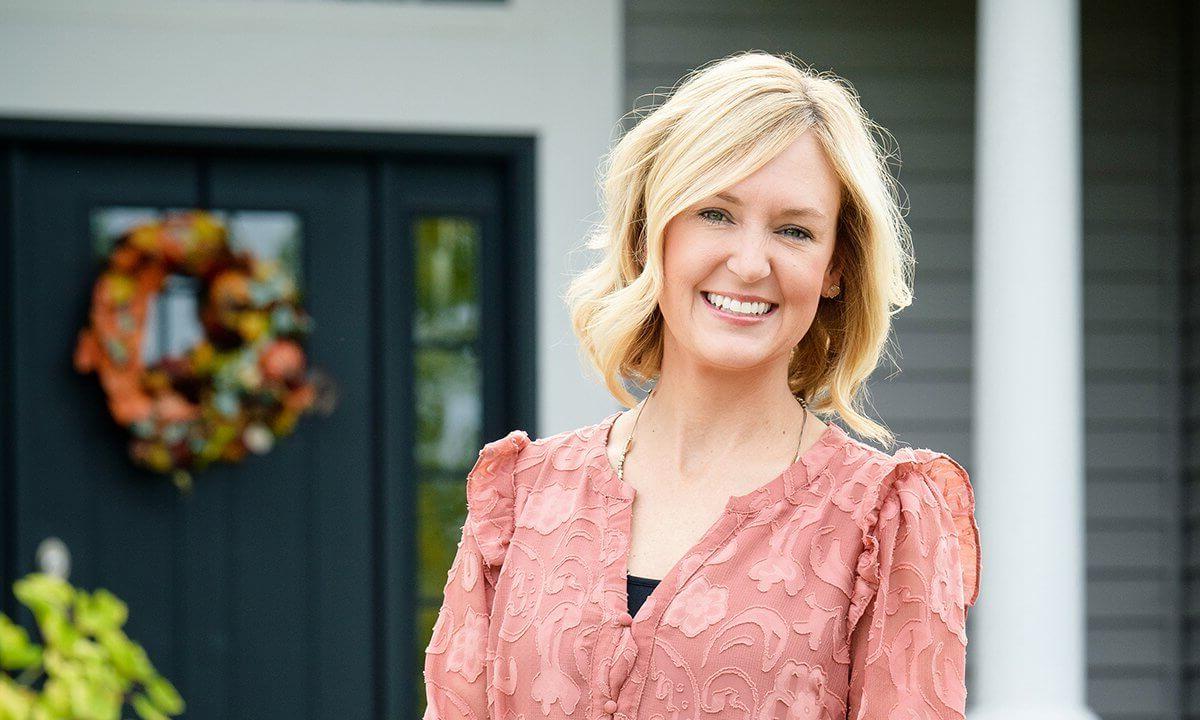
629,440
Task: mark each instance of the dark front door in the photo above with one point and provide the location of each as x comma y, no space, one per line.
298,583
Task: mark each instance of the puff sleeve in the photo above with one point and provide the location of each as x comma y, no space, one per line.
917,576
457,677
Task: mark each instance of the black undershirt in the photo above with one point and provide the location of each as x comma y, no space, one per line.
639,589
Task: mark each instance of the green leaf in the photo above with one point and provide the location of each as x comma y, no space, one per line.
87,650
16,701
59,665
57,628
97,699
164,696
16,650
99,611
39,591
145,709
56,696
94,702
41,712
127,656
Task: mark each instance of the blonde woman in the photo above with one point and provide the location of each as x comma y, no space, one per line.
718,550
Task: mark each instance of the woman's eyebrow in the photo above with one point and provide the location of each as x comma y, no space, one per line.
799,212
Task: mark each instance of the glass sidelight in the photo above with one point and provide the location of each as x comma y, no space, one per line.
449,398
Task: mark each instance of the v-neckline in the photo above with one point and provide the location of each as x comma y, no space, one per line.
798,474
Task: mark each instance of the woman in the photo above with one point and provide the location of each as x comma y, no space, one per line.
752,255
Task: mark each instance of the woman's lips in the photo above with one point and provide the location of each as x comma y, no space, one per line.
737,318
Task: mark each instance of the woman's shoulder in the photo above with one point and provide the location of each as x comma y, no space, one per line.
918,483
865,462
510,468
888,494
523,445
518,458
874,474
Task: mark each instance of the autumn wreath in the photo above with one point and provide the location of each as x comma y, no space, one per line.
244,384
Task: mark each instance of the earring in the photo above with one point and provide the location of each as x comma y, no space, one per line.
833,291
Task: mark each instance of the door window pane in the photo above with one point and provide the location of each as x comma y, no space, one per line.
449,398
448,408
447,299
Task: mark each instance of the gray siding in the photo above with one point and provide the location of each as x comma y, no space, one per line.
1186,218
1132,318
914,67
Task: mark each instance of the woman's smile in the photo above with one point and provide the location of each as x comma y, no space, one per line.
736,314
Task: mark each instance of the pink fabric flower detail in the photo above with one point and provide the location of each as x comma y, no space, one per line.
797,695
778,568
547,508
697,607
468,571
468,646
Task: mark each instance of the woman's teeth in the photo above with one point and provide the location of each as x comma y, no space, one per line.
735,306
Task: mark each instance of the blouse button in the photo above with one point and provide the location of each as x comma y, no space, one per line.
625,619
610,707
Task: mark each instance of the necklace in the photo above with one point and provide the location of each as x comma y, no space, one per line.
629,440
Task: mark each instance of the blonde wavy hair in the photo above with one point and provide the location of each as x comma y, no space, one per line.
723,121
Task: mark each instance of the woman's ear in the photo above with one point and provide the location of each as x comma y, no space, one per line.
833,275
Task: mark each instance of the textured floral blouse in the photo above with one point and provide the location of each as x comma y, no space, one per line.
839,589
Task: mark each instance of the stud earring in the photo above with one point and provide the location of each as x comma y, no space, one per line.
833,291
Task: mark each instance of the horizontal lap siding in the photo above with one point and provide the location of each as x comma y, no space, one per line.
1188,225
1131,118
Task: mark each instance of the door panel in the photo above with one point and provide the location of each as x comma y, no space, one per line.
73,479
300,519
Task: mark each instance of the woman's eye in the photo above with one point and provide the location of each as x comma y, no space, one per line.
707,216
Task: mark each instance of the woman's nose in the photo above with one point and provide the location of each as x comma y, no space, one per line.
749,258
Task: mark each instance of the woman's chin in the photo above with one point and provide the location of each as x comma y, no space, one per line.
736,358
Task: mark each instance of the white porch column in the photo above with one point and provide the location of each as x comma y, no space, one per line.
1026,650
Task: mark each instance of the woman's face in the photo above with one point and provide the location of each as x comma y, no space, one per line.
745,245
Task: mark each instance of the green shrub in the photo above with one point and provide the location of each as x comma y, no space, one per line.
88,669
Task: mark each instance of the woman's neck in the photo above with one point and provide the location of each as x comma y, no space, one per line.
698,419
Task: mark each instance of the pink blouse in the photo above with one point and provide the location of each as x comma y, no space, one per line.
839,589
